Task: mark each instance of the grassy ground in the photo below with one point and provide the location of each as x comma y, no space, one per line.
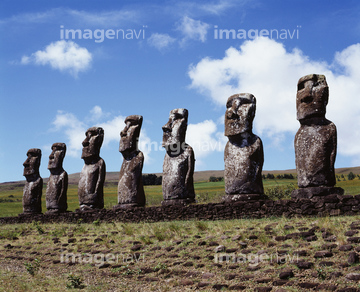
177,256
11,195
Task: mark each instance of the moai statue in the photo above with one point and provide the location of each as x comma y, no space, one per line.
34,183
130,188
179,161
315,141
244,155
92,176
56,190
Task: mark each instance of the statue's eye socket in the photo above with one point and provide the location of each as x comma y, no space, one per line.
301,86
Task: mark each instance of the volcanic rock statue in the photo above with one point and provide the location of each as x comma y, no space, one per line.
179,161
315,141
130,188
244,156
34,183
56,190
92,176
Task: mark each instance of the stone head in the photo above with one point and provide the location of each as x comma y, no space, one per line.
92,142
57,156
129,136
240,113
174,130
32,162
312,96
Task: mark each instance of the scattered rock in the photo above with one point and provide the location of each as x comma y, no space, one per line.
243,244
323,254
186,282
136,247
302,253
353,258
237,287
308,285
353,239
335,275
230,276
208,275
202,284
236,237
280,282
326,287
304,265
263,280
351,232
345,247
353,276
280,238
286,274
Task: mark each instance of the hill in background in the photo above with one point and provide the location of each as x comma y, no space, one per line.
113,177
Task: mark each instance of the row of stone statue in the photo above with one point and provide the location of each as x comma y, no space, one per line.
315,151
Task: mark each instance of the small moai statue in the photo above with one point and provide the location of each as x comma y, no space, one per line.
92,176
244,155
130,187
34,183
56,190
315,141
179,161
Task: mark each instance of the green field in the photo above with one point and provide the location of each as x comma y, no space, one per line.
206,192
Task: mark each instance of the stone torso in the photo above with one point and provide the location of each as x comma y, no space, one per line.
177,182
243,166
56,191
32,196
130,187
91,184
315,151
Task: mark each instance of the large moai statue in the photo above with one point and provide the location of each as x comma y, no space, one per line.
244,156
34,183
179,161
56,190
92,176
130,188
315,141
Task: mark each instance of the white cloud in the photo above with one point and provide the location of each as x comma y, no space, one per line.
96,113
192,29
160,41
65,56
264,67
204,139
74,130
109,18
104,18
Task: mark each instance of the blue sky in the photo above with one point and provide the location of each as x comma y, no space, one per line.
54,87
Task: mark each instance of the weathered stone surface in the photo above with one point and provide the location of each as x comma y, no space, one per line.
34,183
244,156
56,189
130,187
179,161
316,140
92,176
311,192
